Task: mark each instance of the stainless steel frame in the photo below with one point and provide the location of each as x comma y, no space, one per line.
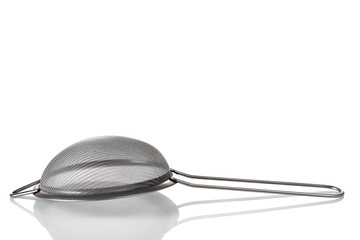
338,193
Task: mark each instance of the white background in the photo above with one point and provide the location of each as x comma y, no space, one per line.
251,89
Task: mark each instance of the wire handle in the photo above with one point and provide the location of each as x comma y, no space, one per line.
339,193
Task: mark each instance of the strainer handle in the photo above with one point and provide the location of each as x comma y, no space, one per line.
20,191
339,193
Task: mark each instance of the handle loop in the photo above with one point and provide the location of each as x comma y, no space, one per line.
20,191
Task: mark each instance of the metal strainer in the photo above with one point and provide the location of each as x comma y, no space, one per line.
112,166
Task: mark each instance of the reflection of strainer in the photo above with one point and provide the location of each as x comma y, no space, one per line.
153,213
103,167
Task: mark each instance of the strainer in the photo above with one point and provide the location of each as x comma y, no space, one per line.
112,166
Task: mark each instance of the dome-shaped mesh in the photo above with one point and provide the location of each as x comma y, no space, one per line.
104,165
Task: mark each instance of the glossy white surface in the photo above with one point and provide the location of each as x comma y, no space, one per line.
262,89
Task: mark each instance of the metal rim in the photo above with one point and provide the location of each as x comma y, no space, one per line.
115,192
167,183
